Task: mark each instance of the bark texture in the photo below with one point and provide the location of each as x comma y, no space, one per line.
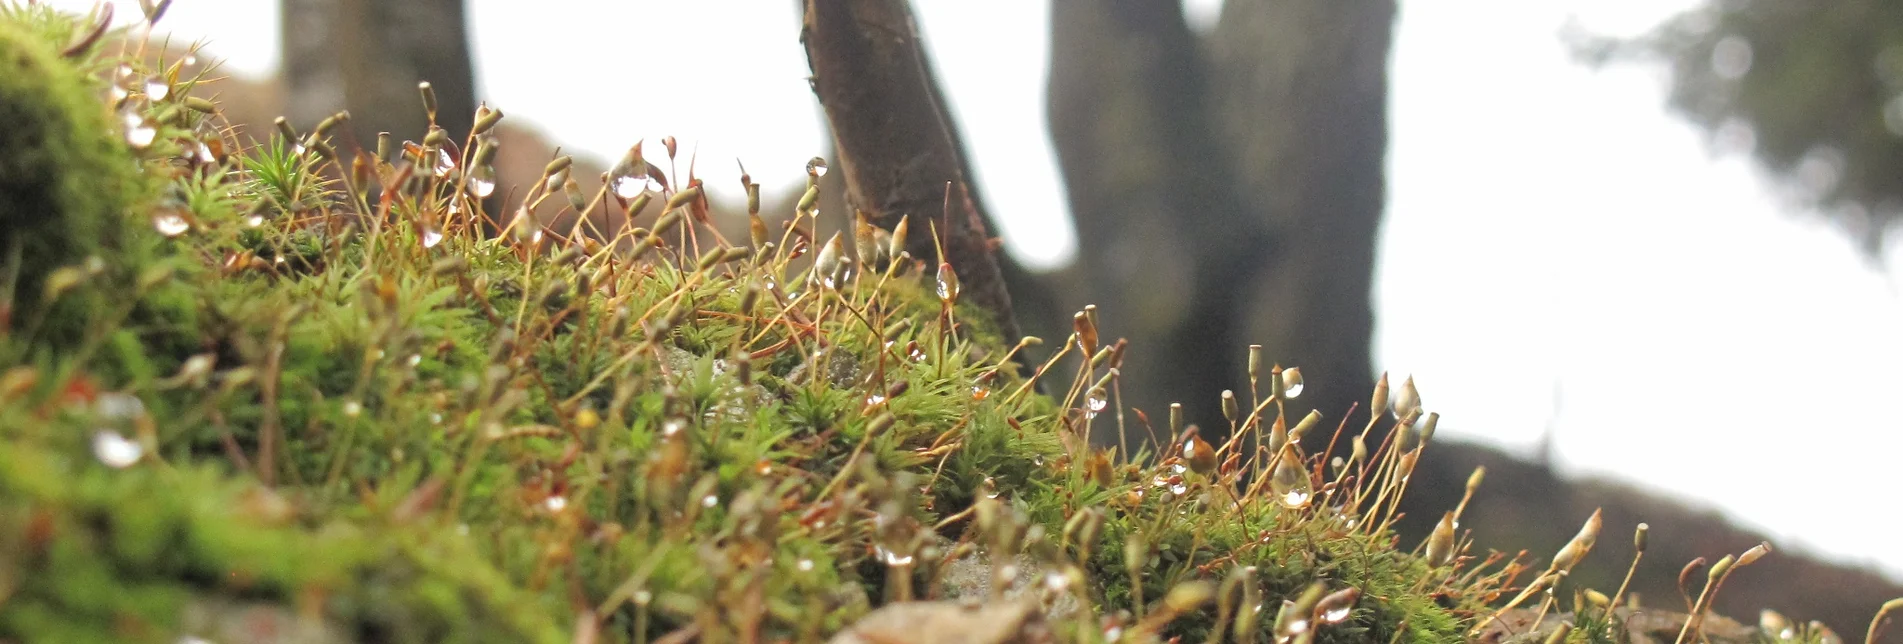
895,146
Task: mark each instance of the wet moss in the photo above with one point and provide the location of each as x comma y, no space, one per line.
334,395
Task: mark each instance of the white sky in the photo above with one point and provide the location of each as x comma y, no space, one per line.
1560,255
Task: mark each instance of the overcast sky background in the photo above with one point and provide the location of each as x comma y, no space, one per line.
1561,257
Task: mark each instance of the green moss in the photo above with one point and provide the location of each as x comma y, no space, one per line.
66,178
507,439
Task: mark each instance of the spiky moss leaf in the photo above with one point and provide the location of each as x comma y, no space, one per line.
66,178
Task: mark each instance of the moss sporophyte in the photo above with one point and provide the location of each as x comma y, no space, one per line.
277,389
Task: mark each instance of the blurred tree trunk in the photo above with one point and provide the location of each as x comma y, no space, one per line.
367,56
1229,192
1163,236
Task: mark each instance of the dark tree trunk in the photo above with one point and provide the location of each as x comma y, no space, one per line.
1162,234
1302,99
368,55
894,146
1231,200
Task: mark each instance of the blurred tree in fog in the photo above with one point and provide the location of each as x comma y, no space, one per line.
368,55
1818,86
1227,189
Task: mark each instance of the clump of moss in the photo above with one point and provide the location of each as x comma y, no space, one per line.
66,177
331,392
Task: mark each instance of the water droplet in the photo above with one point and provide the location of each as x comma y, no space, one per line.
1178,468
189,60
627,186
436,419
642,597
169,222
709,501
415,359
445,164
816,167
671,427
432,237
1056,582
139,130
157,89
1290,481
874,399
892,558
254,221
352,408
118,406
917,354
1292,382
1179,488
805,565
1095,401
114,450
555,503
947,283
979,392
482,182
204,153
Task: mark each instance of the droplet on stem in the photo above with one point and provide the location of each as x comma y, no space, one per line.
482,181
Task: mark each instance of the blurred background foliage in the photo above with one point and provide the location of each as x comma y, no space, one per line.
1813,89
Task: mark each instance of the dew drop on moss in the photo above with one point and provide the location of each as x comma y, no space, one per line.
157,89
1095,402
432,237
170,223
806,565
482,182
139,130
115,450
445,164
118,406
628,185
555,503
